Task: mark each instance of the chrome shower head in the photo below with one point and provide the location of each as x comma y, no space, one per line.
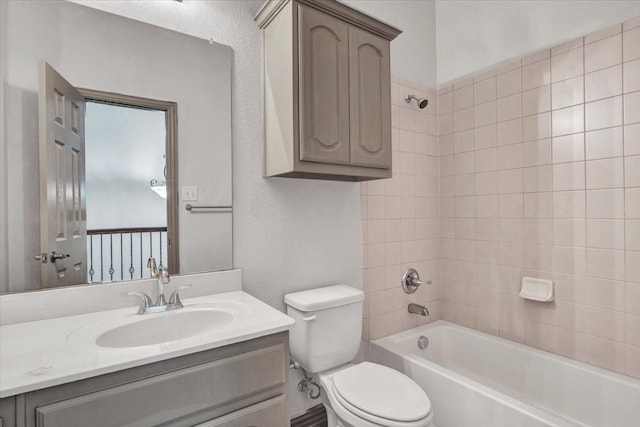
422,102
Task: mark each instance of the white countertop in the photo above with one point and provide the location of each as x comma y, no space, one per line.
45,353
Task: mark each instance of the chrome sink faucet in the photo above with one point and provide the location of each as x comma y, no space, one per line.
163,279
161,304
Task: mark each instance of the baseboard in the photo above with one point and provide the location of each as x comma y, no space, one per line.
314,417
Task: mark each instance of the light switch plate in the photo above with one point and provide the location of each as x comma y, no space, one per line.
189,193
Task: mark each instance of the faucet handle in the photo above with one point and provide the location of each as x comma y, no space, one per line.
146,300
174,299
411,281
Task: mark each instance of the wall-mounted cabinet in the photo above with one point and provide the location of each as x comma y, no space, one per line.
327,91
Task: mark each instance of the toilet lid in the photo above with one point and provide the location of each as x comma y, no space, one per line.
382,392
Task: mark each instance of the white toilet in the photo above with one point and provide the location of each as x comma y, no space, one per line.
324,341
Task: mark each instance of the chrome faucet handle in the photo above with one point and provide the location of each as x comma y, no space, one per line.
411,281
174,299
146,300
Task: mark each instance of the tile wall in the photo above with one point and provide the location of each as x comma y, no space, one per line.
400,219
539,176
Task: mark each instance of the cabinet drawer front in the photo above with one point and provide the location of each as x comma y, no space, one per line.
324,87
270,413
370,99
173,395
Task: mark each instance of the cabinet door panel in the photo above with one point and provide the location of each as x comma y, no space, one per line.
166,398
323,85
370,99
272,412
8,412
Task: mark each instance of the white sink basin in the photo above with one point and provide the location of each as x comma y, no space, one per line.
135,331
164,327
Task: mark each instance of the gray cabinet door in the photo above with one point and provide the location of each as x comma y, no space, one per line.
8,412
323,87
370,99
171,398
270,413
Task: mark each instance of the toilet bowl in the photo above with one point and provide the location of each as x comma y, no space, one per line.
372,395
324,341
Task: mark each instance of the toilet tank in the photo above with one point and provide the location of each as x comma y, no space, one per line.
328,326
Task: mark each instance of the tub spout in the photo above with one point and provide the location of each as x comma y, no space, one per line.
418,309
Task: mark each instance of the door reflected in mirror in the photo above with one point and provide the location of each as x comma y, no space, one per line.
102,216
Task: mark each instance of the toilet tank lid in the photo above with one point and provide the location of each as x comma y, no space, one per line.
323,298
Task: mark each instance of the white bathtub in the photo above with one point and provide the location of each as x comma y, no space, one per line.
476,379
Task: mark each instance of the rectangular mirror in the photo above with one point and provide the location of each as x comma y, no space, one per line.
152,177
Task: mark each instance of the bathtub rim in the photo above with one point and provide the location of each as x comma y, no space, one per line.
388,344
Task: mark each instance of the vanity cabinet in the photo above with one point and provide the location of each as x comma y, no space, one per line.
327,91
236,385
8,412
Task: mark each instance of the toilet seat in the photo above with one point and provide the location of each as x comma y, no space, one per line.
378,395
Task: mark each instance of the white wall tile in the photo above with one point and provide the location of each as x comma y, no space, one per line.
632,203
463,98
538,179
537,126
537,100
486,160
604,143
606,264
568,148
569,232
569,204
606,173
631,76
604,113
510,181
567,93
568,120
631,44
538,205
484,114
632,171
603,53
536,153
606,233
605,203
536,74
485,91
567,65
603,83
485,137
632,140
509,132
632,231
510,156
568,176
606,294
509,83
509,108
632,108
